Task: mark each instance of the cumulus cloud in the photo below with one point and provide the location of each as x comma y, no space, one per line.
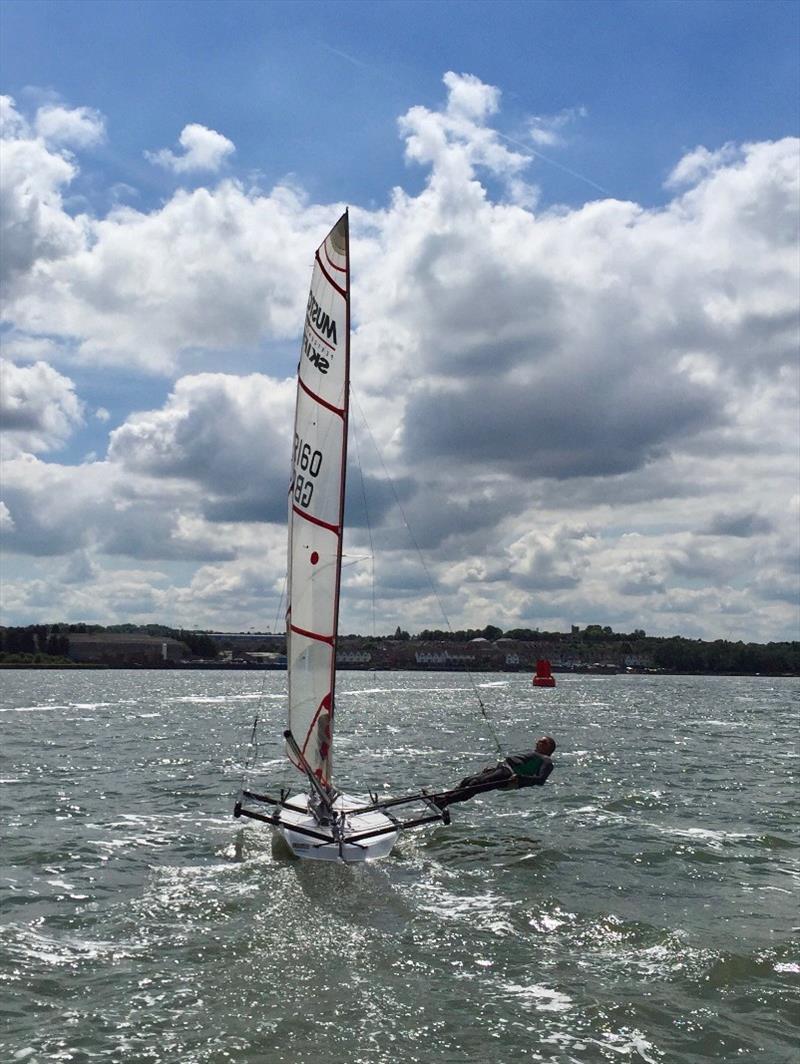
699,163
203,149
12,123
55,510
6,520
78,127
34,227
202,273
582,331
458,138
18,347
205,450
229,435
80,568
546,561
39,409
529,374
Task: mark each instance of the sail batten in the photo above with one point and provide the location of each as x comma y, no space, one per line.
316,503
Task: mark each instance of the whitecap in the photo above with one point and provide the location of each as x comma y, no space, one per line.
207,700
542,998
366,691
62,951
32,709
625,1042
483,910
707,834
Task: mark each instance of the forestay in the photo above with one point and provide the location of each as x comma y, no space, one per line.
316,503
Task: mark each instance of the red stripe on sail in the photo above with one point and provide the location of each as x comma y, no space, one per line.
318,398
329,279
312,635
336,529
341,269
326,705
319,336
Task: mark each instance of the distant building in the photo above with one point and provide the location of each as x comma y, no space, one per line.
353,657
636,661
249,641
112,648
441,657
431,657
259,657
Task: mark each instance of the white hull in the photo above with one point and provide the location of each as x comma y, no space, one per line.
296,813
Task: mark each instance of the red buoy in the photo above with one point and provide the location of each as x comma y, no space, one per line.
543,677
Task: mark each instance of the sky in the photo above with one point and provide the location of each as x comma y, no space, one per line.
575,286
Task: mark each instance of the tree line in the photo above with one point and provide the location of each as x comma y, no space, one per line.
39,642
49,643
670,653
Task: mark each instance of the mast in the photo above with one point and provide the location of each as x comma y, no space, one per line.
344,221
316,505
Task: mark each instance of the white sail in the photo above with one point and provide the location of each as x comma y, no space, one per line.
316,503
323,824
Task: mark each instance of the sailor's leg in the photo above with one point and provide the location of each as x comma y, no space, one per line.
486,775
491,778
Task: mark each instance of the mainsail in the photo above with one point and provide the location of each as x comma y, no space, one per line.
316,503
323,824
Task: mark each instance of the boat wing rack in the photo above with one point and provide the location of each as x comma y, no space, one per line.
376,806
338,819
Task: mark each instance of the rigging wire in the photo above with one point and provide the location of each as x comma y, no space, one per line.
253,746
366,511
280,604
426,570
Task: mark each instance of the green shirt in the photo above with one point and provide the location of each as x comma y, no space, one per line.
532,769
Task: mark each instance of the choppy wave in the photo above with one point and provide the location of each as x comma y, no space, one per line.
31,709
638,908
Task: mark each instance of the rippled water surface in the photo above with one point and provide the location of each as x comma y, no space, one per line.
640,907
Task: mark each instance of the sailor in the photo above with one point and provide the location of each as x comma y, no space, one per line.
517,770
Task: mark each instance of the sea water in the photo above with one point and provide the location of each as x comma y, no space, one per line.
640,907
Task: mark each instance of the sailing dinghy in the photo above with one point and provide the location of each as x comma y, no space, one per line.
319,822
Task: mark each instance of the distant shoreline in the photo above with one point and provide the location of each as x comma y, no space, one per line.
257,667
592,650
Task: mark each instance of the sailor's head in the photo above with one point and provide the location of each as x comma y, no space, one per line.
545,745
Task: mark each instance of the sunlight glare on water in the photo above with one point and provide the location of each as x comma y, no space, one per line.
640,907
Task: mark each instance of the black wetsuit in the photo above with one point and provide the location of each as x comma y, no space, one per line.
518,770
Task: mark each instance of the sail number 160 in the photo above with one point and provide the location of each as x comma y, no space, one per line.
310,462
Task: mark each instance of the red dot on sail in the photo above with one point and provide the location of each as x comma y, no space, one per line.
314,557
